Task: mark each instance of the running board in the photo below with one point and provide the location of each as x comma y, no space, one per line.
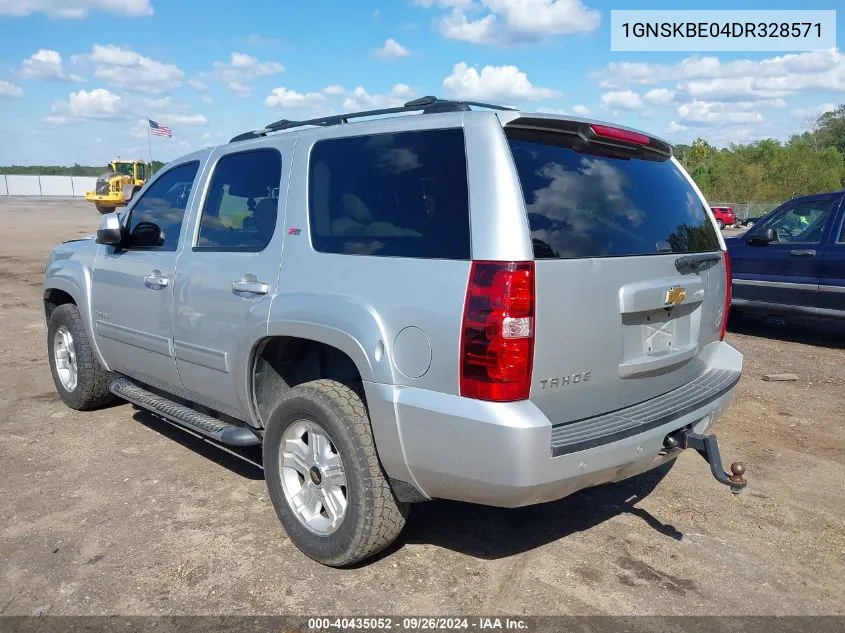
201,423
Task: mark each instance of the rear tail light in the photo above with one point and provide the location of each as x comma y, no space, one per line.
728,282
497,338
619,134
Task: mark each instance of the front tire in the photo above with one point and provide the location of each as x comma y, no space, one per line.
82,383
324,477
103,210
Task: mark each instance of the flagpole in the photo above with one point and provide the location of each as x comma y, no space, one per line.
150,143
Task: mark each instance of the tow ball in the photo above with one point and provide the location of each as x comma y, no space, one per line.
708,448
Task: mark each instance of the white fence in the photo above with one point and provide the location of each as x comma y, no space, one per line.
46,186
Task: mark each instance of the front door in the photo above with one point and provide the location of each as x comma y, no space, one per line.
132,294
832,283
784,273
226,279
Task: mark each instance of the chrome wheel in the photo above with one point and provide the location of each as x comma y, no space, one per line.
64,355
313,478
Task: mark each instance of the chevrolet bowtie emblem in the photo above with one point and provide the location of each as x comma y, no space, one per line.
675,296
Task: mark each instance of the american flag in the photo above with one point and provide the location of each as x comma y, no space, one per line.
159,130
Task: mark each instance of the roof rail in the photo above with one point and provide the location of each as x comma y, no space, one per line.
427,105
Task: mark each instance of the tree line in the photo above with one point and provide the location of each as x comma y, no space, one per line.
62,170
768,170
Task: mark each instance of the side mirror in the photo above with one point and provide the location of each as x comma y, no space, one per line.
766,236
110,230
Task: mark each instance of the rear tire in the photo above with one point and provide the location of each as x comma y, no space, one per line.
103,210
80,379
324,425
720,224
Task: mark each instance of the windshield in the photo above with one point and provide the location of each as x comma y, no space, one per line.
606,204
124,168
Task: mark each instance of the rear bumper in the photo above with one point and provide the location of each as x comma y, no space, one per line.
503,454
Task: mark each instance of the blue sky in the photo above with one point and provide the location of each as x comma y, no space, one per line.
79,77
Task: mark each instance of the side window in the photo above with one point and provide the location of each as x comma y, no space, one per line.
803,222
400,194
156,220
242,203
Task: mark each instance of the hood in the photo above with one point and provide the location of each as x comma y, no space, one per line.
90,236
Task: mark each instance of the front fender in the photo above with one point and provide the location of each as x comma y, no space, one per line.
69,270
340,321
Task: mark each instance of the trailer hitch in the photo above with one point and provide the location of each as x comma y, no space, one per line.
708,448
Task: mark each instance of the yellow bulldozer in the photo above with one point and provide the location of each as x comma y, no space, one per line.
116,187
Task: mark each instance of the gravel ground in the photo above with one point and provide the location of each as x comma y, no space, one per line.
116,512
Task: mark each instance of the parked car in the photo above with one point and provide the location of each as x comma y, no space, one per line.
724,216
493,307
792,262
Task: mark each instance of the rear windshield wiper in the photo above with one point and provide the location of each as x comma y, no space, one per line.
697,260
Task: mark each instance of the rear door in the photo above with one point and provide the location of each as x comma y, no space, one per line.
228,274
620,317
832,282
784,274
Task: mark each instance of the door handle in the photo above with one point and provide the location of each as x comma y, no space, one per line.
249,284
803,252
156,280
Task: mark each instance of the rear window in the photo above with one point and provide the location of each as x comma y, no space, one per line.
606,205
400,195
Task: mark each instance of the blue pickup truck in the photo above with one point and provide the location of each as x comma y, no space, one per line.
792,262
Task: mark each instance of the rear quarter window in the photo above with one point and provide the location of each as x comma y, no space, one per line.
400,194
606,204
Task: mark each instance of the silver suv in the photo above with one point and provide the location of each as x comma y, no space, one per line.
472,303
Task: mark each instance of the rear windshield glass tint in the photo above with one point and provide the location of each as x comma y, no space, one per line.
606,205
399,195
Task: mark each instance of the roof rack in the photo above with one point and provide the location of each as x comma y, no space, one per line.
427,105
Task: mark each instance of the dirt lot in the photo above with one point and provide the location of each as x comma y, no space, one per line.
116,512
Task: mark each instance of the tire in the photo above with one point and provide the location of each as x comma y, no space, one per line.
91,387
720,224
372,517
103,210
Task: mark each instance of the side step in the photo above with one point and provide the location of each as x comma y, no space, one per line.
194,420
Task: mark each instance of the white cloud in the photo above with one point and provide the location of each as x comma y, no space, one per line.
98,103
507,21
580,110
10,90
127,69
709,77
75,9
46,64
334,89
659,96
101,104
709,113
812,112
622,100
198,84
391,50
494,82
255,39
283,98
674,127
241,69
360,99
190,120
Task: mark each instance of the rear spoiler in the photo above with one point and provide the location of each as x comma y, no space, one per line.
593,133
